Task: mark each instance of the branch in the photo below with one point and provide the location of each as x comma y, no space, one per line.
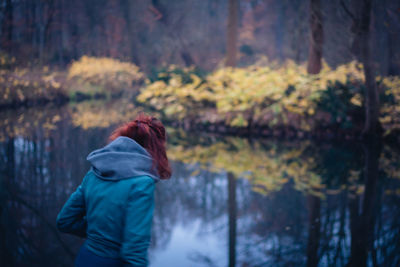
156,12
49,225
348,12
392,15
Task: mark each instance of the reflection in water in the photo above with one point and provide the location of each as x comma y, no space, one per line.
362,217
314,207
231,202
232,218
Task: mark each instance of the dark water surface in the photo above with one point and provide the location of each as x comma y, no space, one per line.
230,202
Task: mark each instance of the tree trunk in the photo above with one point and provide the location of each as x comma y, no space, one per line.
371,94
316,38
371,100
7,27
49,21
362,215
280,30
314,205
231,40
232,210
6,249
126,11
393,67
361,47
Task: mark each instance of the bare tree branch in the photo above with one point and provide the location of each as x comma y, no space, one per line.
156,12
393,15
347,10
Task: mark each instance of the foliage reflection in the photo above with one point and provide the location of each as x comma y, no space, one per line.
266,202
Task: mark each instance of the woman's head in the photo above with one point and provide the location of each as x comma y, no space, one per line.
150,134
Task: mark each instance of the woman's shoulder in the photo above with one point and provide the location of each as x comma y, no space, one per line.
143,182
146,179
140,188
127,187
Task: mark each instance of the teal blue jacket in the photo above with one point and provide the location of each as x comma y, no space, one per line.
113,206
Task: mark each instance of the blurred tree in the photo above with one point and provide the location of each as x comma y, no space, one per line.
314,66
232,214
46,16
232,32
153,33
362,218
125,6
361,48
316,37
314,225
391,21
7,25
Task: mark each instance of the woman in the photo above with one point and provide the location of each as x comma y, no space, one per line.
113,206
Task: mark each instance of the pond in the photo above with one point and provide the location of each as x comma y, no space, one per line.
231,201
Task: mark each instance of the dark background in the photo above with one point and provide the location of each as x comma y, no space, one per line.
152,33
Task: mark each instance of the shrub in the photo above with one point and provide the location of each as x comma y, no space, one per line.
6,62
103,74
390,99
22,85
274,96
103,114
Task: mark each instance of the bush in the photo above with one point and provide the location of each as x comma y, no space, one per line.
273,96
390,99
106,75
6,62
165,74
30,86
103,114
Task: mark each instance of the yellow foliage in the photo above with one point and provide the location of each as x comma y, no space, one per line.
390,111
22,84
30,122
356,100
278,90
106,72
100,114
267,169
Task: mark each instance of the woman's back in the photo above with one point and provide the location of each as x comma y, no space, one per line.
119,215
113,207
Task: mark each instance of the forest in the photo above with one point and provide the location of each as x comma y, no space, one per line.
286,66
282,121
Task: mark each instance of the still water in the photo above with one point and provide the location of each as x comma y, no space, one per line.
231,201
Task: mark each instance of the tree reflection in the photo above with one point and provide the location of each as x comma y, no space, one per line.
232,211
41,168
269,203
328,226
363,213
314,205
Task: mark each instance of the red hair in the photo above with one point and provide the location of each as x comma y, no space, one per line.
148,132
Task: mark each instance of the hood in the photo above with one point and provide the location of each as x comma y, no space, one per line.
121,159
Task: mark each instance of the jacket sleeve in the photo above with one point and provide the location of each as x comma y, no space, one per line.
138,220
72,217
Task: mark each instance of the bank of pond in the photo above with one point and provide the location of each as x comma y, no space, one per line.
266,100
